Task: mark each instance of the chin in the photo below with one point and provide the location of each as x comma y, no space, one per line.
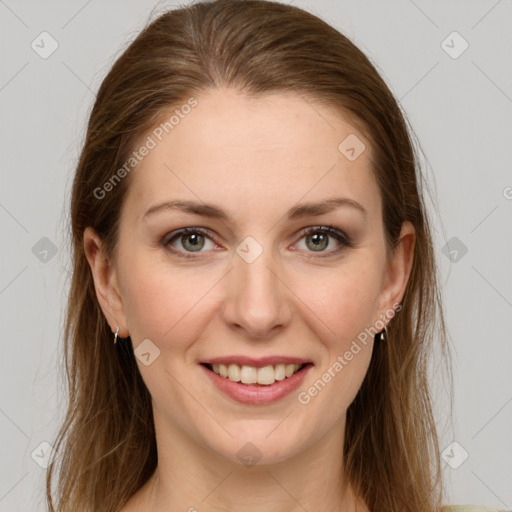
261,444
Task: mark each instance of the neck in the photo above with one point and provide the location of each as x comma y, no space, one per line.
191,478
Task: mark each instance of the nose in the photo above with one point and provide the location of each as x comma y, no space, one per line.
257,300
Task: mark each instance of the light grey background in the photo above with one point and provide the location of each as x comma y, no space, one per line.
461,111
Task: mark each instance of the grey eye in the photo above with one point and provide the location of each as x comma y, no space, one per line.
192,241
319,241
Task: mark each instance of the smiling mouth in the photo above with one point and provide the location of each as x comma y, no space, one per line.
264,376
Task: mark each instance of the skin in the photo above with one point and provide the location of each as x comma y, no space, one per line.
256,159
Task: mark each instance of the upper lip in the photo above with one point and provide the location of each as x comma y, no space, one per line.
256,362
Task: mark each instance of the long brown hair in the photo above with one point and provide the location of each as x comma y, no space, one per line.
106,445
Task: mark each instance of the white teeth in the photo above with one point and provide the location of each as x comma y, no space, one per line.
289,370
234,372
265,376
280,371
249,375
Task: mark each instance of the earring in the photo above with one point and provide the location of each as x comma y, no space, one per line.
384,334
115,335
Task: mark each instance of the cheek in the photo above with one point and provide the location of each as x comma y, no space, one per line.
341,313
344,300
343,304
163,303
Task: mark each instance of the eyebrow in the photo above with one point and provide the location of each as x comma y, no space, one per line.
294,213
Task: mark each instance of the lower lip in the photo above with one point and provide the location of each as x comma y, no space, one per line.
256,394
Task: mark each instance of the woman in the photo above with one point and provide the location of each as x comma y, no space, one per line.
254,296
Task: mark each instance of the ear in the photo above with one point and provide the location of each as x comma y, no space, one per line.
105,282
398,269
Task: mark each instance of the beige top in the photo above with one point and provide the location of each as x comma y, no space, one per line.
470,508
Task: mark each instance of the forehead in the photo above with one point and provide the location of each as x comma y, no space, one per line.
253,153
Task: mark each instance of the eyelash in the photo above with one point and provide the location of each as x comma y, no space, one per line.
344,240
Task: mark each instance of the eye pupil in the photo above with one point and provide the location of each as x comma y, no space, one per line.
320,241
195,242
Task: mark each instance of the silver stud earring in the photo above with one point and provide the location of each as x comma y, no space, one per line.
383,334
115,335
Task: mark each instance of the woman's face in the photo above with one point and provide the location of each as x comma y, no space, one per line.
251,176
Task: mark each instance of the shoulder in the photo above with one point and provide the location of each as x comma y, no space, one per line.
470,508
